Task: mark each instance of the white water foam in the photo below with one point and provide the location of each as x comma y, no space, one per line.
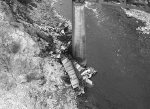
140,15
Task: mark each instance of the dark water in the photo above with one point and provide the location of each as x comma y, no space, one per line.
122,57
65,8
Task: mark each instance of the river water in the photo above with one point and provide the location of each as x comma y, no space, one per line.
122,57
114,48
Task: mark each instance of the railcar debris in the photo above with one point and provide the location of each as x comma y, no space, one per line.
85,73
71,72
78,74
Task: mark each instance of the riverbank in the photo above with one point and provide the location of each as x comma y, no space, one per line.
31,75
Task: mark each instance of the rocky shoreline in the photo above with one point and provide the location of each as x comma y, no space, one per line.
33,38
30,73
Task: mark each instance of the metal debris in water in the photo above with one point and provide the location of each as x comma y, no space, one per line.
85,73
78,74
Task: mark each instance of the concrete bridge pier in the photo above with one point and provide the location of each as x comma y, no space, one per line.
79,33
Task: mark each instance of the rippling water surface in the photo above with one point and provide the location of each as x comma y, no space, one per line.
121,56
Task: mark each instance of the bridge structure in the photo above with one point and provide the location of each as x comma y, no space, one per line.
79,29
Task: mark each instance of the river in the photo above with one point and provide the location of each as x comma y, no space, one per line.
121,56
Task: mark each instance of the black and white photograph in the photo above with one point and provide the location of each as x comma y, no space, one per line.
74,54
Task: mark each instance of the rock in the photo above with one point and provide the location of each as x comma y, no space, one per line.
29,81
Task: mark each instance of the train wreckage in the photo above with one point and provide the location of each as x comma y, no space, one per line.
72,68
36,64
